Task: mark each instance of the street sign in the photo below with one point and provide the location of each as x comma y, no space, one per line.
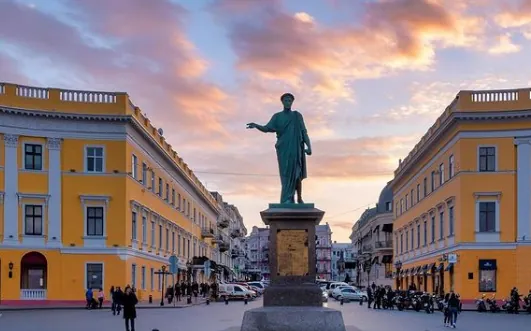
206,268
173,264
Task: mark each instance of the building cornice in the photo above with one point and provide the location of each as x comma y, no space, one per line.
455,117
63,115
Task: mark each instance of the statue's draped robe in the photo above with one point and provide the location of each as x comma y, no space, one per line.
290,129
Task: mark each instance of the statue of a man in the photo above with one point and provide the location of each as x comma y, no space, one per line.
292,146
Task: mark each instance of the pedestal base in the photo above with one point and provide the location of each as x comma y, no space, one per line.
293,319
309,295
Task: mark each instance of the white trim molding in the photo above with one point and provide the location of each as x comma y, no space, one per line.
11,140
523,188
484,197
32,196
11,207
95,201
55,192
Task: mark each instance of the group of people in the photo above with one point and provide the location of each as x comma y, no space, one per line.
125,300
183,289
376,295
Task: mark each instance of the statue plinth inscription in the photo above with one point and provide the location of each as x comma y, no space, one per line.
292,253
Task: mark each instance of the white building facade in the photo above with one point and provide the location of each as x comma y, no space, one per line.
323,246
343,262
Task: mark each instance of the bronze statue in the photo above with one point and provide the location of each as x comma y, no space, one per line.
291,152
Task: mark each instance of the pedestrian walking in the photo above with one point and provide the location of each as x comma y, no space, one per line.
446,310
89,296
129,301
101,297
453,307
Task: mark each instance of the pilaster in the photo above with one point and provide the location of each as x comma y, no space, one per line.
11,188
54,191
523,189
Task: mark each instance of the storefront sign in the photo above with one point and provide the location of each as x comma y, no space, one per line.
487,264
452,258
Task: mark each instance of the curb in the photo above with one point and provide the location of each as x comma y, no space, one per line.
5,309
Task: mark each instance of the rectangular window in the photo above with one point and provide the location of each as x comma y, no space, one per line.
173,242
441,173
179,245
188,248
152,234
401,206
144,173
487,159
407,196
411,201
32,157
433,229
33,220
144,229
418,193
407,240
487,217
95,221
432,181
412,238
418,235
188,209
152,188
487,275
134,162
94,162
160,236
133,226
425,233
167,192
173,197
167,239
441,225
195,216
160,187
94,276
425,187
143,279
451,221
133,275
179,201
152,279
451,166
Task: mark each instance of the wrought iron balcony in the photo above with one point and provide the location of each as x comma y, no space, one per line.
223,247
366,248
223,222
387,244
265,248
236,233
207,233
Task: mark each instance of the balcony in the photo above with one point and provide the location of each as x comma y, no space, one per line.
236,233
324,258
387,244
207,233
366,249
265,248
32,294
237,253
223,222
223,247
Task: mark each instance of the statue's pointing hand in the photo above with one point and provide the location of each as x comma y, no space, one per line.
251,125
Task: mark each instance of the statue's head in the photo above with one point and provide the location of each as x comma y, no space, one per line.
287,100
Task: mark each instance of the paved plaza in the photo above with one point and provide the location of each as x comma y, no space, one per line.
221,317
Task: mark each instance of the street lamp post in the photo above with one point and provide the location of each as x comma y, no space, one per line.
163,287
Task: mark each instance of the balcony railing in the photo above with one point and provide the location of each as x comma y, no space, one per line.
207,233
223,222
324,258
223,247
236,233
32,294
265,248
366,248
383,244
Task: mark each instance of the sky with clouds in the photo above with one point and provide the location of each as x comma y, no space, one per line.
369,76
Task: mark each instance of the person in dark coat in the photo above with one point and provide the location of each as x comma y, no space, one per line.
129,302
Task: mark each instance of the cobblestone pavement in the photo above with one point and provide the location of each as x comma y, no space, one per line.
221,317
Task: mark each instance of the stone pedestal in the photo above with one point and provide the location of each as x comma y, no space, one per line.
293,301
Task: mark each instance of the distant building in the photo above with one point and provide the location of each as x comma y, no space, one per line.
372,240
343,262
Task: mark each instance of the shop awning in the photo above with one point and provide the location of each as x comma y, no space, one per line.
387,227
440,267
375,260
376,228
429,268
406,273
387,259
402,272
449,267
424,269
416,271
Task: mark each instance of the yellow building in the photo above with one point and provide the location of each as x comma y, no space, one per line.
462,199
92,195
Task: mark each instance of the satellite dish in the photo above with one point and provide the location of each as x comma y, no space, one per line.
161,132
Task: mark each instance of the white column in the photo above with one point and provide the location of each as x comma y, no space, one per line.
11,188
54,191
523,189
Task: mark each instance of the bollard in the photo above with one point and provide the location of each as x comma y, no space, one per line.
207,301
189,300
245,300
341,302
226,300
361,301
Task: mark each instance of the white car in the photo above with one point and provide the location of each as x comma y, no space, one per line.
235,291
331,287
352,294
337,291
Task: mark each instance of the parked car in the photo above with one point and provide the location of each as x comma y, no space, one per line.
235,291
352,294
337,291
325,296
332,286
257,284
